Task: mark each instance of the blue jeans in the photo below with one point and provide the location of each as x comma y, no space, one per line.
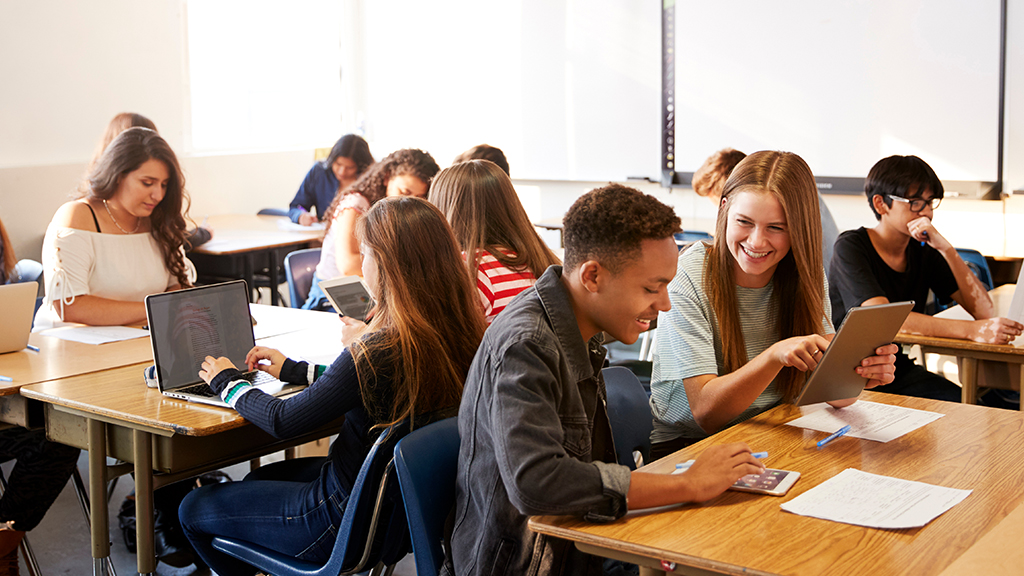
299,518
317,300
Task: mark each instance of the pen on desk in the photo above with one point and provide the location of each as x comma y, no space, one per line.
837,434
6,379
32,348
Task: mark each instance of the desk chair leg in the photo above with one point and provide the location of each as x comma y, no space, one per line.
99,527
83,501
143,448
969,380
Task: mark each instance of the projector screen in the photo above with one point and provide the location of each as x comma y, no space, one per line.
843,84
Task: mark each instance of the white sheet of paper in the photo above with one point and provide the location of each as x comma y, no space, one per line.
290,226
95,334
864,499
1016,311
867,420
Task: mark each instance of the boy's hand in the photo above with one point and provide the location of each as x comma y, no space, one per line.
922,230
717,468
994,330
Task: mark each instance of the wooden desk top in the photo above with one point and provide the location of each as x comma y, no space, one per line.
60,358
972,447
238,233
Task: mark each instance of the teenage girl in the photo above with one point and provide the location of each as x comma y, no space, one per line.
348,160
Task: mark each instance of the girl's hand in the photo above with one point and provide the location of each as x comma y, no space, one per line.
213,366
800,352
994,330
275,359
922,230
351,330
881,368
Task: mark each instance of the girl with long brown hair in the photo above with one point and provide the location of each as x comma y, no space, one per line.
122,240
750,312
408,365
503,252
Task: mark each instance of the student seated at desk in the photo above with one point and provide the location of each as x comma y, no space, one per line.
103,253
403,173
349,159
750,312
710,178
407,364
534,428
193,238
904,257
489,222
42,467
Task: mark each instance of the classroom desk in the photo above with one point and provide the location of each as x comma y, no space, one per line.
971,447
241,240
970,352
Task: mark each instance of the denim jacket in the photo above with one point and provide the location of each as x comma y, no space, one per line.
535,440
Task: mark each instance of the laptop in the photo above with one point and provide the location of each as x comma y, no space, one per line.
186,326
18,301
864,329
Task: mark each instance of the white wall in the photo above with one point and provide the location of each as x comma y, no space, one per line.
68,67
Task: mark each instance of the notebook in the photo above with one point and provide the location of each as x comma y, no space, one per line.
18,301
186,326
863,330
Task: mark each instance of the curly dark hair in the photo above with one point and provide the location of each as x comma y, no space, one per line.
608,224
373,184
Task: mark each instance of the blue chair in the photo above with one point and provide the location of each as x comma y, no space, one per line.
427,460
27,270
977,263
373,531
629,414
298,272
684,239
272,212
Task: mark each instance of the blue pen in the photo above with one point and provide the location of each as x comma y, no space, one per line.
32,348
837,434
6,379
925,234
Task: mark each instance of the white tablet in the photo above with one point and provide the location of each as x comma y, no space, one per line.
863,330
349,296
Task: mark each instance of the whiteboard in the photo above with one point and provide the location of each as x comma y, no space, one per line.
569,89
842,83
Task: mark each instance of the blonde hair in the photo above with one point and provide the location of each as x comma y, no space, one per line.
799,293
478,200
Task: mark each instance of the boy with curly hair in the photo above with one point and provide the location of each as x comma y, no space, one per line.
535,432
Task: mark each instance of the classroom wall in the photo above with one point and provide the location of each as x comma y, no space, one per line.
68,67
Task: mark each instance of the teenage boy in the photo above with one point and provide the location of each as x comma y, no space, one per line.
535,432
901,259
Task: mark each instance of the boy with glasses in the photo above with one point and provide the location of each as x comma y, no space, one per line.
904,257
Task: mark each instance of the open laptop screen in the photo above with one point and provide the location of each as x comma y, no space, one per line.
188,325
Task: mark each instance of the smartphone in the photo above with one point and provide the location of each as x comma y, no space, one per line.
771,482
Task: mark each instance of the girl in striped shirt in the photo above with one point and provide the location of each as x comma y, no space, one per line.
490,224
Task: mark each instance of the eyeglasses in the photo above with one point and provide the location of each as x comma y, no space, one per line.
918,204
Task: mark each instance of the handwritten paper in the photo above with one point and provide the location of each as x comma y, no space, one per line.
867,420
863,499
95,334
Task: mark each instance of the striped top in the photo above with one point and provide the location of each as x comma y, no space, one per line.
497,284
689,344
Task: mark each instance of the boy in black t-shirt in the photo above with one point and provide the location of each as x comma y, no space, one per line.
901,259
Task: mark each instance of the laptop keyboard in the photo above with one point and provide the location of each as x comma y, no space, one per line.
256,377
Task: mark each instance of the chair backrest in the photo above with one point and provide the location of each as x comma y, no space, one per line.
629,415
977,263
298,271
426,461
272,212
27,270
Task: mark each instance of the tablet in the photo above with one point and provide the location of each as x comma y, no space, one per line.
864,329
349,296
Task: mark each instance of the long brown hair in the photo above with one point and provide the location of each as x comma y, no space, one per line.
428,320
798,294
7,258
373,184
129,150
484,211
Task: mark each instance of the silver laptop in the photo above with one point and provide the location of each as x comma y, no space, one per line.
186,326
863,330
18,302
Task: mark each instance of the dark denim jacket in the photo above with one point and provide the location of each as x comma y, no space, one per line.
535,440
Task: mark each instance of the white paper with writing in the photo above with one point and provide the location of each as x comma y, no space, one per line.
867,420
95,334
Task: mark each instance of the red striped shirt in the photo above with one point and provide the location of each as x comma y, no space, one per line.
497,284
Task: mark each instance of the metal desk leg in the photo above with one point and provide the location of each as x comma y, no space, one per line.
143,447
99,526
274,281
248,273
969,380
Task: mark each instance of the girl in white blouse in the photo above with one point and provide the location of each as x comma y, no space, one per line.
105,252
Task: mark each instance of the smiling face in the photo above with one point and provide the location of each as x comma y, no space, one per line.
757,236
141,190
625,303
345,170
407,185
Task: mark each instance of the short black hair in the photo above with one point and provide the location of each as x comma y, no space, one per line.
608,224
900,176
